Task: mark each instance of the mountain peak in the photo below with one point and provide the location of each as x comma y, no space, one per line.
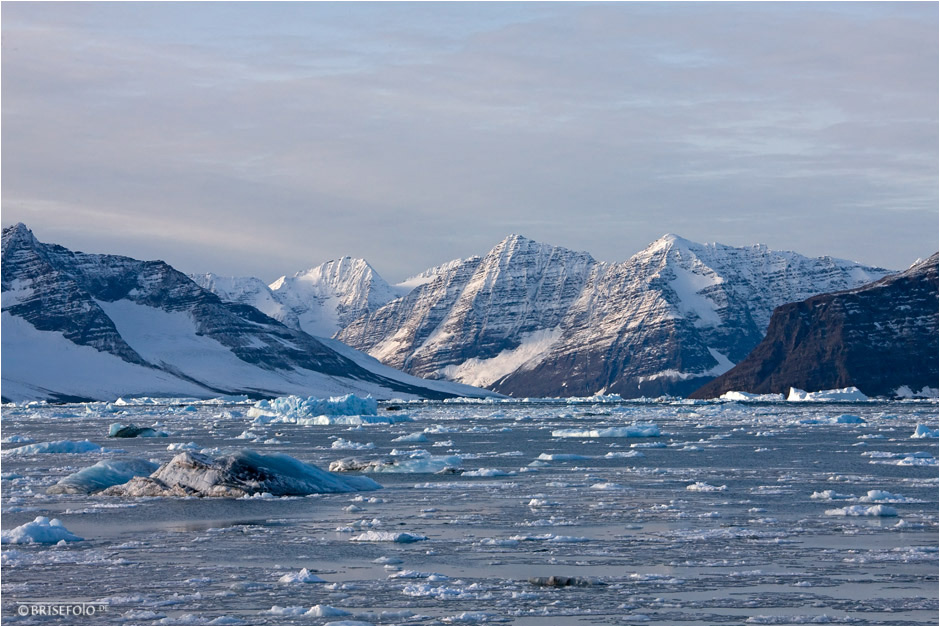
19,232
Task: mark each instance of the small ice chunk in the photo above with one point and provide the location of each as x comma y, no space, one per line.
561,457
412,437
830,495
304,576
861,510
701,486
488,472
388,536
326,611
644,430
923,431
341,444
40,531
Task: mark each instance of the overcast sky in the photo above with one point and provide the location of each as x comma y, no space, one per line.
262,139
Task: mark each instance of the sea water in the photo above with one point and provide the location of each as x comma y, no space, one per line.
659,513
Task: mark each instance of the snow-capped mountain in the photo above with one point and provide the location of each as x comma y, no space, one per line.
474,310
881,338
537,320
319,301
87,326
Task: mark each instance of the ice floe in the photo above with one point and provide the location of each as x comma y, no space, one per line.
304,576
861,510
416,461
701,486
40,531
118,430
848,394
104,474
60,446
299,407
412,437
347,445
388,536
561,457
634,431
243,473
923,431
488,472
747,397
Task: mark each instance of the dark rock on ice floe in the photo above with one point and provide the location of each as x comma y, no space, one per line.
665,321
133,431
244,473
878,338
556,581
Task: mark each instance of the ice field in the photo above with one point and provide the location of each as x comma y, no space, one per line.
529,513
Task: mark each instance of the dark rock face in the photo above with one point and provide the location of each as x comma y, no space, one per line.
878,338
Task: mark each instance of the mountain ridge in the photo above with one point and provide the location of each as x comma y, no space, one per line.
587,338
62,304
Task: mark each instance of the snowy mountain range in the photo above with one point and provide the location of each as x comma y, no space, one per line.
525,319
881,338
529,319
319,301
84,326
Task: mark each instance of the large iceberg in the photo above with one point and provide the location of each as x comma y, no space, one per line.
102,475
40,531
292,408
243,473
840,395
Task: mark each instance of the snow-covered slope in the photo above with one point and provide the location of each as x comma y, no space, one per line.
536,320
102,326
319,301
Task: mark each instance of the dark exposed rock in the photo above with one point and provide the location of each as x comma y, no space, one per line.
877,338
133,431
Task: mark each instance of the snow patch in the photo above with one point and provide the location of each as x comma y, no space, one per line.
533,348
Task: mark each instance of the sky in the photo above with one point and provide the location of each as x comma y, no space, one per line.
261,139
